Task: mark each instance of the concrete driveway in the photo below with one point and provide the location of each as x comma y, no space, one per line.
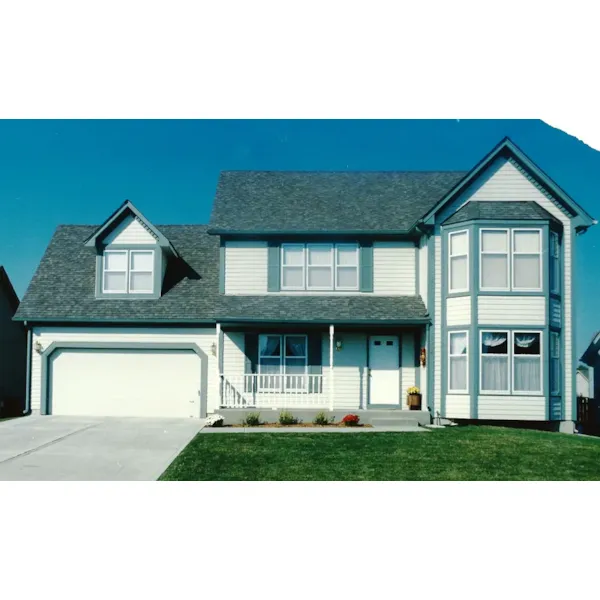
53,448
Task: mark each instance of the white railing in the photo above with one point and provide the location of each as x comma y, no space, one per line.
272,391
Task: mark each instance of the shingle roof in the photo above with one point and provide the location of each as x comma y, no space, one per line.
332,309
63,287
287,201
499,211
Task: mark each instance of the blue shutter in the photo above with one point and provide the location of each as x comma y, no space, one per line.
273,270
366,267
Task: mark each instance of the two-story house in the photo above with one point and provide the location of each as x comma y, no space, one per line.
331,291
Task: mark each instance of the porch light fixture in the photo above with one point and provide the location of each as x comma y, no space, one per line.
423,357
38,347
338,344
213,349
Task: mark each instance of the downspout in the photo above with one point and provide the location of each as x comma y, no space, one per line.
27,409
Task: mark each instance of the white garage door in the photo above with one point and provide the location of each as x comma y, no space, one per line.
124,383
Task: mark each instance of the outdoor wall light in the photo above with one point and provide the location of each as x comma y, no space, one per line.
38,347
213,349
338,344
423,357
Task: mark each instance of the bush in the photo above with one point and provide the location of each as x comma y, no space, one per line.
287,418
215,420
351,420
252,419
321,419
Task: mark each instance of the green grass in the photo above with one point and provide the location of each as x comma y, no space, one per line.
456,453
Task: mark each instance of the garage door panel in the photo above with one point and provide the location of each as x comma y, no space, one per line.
136,383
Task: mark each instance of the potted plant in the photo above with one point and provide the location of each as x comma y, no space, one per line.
413,398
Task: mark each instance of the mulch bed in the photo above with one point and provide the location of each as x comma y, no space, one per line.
280,426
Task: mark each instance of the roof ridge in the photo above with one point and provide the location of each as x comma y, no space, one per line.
339,171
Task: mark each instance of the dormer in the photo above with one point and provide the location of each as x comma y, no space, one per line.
132,256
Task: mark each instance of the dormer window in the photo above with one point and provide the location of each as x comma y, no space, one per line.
128,272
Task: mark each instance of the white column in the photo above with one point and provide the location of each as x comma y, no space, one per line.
218,366
331,375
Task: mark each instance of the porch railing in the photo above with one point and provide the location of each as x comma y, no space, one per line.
272,391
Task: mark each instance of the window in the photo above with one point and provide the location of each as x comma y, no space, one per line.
494,362
282,362
494,259
458,356
503,353
554,263
128,271
527,362
527,264
554,363
459,261
319,267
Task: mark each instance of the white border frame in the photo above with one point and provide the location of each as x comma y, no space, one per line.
512,363
126,288
513,254
356,249
506,392
331,248
131,270
451,256
508,260
283,265
450,356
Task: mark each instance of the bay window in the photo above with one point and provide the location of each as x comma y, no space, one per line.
554,363
526,257
527,362
494,362
459,261
282,362
554,263
494,259
458,365
319,267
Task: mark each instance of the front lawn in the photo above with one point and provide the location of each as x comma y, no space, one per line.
455,453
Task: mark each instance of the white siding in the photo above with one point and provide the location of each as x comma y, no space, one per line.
423,264
234,359
130,231
583,385
408,371
458,311
511,310
505,181
512,408
246,268
394,268
436,358
458,406
350,371
46,335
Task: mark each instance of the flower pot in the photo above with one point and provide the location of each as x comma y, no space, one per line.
414,401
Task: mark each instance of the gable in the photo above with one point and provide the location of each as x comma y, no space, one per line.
130,231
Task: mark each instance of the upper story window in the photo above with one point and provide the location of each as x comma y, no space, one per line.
510,259
128,272
554,263
459,261
319,267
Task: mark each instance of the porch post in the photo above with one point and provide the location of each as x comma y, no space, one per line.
218,367
331,375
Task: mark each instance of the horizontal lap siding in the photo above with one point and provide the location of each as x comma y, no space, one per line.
204,338
350,371
508,408
423,275
458,311
130,231
437,342
511,310
246,268
394,268
458,406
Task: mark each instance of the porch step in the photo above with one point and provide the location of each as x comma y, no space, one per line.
395,422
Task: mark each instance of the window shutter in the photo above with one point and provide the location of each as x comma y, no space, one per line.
274,252
314,354
251,351
366,267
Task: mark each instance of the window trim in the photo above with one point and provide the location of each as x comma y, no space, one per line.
514,253
507,391
356,249
307,248
541,357
131,270
282,389
508,260
451,290
555,391
104,270
450,356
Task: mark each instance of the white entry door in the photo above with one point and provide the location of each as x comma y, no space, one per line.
384,372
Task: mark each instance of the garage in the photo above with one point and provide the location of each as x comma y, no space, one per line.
124,382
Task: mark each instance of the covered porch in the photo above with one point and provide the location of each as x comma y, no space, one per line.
309,367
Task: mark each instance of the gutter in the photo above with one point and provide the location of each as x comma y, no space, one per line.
27,409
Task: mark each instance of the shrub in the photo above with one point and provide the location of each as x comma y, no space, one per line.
252,419
321,419
215,421
351,420
287,418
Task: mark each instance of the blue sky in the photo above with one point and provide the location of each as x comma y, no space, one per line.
57,172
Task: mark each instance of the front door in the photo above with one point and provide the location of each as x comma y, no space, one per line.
384,372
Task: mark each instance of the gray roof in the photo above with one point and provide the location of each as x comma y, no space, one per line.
300,202
329,309
499,211
63,289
